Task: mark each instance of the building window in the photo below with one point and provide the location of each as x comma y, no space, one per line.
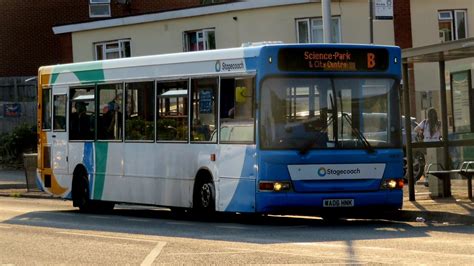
99,8
112,50
310,30
199,40
452,25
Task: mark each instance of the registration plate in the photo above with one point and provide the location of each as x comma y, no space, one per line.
336,203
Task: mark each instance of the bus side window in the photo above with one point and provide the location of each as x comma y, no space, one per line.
110,119
172,110
139,115
203,111
59,112
46,115
82,113
237,110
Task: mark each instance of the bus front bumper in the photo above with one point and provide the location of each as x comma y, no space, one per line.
300,203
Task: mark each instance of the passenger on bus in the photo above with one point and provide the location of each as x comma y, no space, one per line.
80,122
112,119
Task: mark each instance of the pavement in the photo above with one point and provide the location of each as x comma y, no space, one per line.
457,209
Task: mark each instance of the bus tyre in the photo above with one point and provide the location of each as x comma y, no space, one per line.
80,194
204,198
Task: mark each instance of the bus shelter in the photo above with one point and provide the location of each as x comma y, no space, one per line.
438,77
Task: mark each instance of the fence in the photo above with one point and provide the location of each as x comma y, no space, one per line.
18,102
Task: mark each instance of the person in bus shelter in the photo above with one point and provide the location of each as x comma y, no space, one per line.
430,128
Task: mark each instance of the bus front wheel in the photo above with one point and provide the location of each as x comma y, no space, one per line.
204,197
80,193
81,197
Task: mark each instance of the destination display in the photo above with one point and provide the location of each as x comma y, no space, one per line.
333,59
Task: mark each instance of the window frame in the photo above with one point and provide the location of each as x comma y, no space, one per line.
453,19
96,3
310,21
120,50
204,39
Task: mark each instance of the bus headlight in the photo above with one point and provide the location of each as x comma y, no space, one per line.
276,186
392,183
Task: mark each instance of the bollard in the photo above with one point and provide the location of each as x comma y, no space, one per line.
30,164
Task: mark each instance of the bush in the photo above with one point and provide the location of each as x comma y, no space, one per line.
21,140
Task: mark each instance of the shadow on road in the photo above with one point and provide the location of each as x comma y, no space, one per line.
244,228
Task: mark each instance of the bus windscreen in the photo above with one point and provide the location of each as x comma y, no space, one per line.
333,59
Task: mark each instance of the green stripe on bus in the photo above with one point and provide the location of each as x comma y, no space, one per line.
101,152
89,72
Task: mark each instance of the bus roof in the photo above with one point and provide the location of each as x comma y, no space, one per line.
241,60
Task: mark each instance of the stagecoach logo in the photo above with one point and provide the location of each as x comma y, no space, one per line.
233,65
337,172
322,171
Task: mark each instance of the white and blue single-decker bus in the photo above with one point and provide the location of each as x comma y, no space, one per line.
278,128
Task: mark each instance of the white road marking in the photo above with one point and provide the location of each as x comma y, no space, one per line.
232,227
209,253
180,223
137,220
109,237
153,254
98,217
381,248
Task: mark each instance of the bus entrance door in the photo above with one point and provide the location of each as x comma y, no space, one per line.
59,137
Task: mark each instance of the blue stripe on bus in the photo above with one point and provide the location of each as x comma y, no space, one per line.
243,199
88,161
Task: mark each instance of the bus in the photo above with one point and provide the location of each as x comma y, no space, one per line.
269,128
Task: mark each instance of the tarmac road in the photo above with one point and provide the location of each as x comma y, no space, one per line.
52,232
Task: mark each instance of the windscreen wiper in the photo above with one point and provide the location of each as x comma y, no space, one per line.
359,134
323,132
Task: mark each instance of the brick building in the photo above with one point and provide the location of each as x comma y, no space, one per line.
27,42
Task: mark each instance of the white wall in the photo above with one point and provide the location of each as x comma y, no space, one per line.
424,18
266,24
424,15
